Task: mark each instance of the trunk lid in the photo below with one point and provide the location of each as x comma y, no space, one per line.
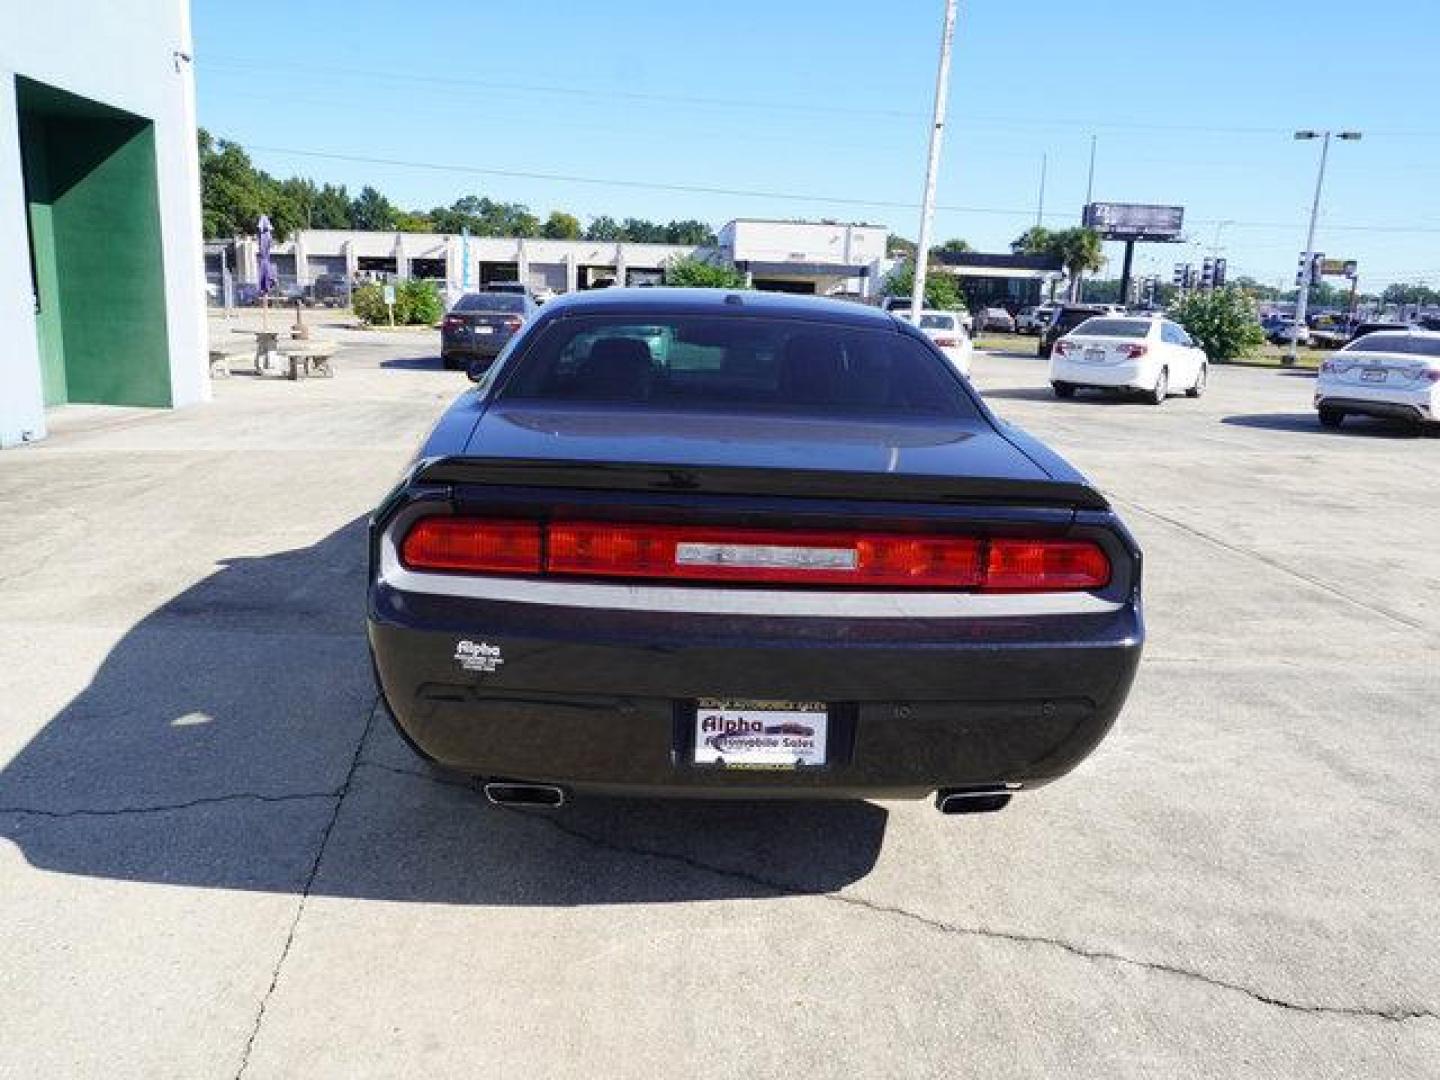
624,449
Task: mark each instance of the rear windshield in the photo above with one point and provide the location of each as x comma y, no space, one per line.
1136,328
737,364
491,301
1068,320
937,322
1408,344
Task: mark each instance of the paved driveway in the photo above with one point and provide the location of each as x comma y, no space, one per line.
217,860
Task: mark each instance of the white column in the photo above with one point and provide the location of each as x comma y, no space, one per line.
572,272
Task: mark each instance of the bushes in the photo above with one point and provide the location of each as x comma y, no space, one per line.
417,303
941,292
1222,322
698,274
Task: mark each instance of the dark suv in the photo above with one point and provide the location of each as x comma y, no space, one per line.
1067,318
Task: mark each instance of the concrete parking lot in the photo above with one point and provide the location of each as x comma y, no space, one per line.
218,860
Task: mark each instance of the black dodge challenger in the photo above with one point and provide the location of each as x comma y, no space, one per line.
691,542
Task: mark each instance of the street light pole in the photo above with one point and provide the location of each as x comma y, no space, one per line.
932,168
1307,265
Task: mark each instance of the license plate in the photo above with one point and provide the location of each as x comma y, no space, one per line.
1373,375
484,329
760,734
1095,356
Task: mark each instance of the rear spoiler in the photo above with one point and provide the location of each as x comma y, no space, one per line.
731,480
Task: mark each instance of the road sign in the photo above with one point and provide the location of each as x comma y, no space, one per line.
389,292
1135,221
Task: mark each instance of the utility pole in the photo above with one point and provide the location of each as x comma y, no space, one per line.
1040,206
1307,265
1090,180
932,169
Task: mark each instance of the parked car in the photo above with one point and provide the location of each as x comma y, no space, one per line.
1067,317
1387,373
1033,320
947,330
329,290
1283,329
804,516
481,324
1365,328
1148,354
997,319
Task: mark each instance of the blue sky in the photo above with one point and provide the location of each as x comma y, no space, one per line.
826,102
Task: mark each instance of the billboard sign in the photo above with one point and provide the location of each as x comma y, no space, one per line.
1338,268
1135,221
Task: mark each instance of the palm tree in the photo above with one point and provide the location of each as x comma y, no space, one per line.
1081,252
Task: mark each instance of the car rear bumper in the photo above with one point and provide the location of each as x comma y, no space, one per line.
471,347
603,700
1415,406
1117,376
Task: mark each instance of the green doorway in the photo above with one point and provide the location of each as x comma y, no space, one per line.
95,253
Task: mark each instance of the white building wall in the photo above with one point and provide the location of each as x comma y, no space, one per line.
749,240
123,55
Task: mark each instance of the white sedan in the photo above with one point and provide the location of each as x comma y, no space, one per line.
1388,373
947,330
1147,353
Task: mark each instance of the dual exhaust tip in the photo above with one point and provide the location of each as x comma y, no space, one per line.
544,796
978,800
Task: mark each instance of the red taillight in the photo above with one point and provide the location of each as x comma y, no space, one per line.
1134,352
948,342
1062,348
478,545
701,553
1045,566
513,323
453,321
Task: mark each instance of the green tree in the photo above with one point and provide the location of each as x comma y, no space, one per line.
697,273
1223,322
413,221
603,227
690,231
1034,241
640,231
897,247
231,195
941,291
561,226
1404,295
1079,250
951,247
331,208
372,211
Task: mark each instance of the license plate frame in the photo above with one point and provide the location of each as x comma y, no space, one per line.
1372,375
1095,354
839,739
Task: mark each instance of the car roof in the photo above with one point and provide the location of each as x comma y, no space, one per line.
663,300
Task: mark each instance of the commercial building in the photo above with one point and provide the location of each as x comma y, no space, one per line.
822,258
100,233
1008,281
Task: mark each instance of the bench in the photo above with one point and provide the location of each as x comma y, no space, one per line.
309,358
222,353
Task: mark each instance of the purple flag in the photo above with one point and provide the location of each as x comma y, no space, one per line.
266,267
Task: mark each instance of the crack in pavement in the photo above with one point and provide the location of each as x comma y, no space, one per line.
1395,1013
1275,564
309,884
164,808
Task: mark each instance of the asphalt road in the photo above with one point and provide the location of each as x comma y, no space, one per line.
216,860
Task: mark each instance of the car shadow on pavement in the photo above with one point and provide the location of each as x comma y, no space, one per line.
1308,424
232,739
415,363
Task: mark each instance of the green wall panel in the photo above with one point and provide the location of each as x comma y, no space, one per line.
95,237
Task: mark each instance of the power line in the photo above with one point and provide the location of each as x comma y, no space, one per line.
787,196
1068,123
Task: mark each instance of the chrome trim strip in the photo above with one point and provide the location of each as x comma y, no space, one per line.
808,603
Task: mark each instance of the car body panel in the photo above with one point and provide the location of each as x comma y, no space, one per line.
592,684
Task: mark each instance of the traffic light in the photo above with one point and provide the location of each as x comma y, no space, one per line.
1207,274
1219,276
1179,279
1189,281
